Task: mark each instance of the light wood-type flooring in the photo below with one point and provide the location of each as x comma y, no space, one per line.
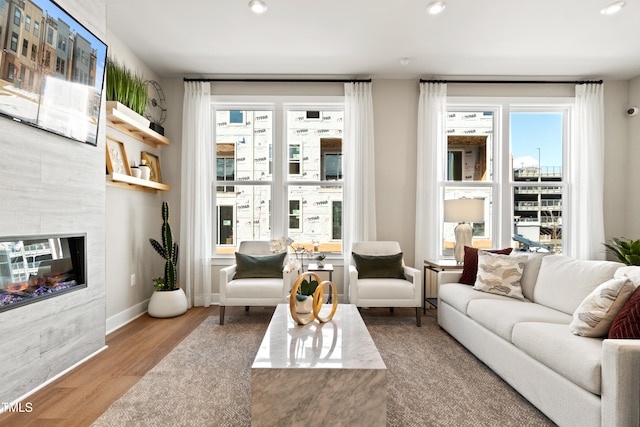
82,395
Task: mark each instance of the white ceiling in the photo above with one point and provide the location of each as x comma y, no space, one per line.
357,38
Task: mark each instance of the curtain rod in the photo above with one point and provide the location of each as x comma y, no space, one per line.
281,80
575,82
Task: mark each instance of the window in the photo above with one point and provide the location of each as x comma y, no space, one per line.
14,42
518,172
60,66
34,52
50,36
25,47
271,155
17,14
27,23
36,28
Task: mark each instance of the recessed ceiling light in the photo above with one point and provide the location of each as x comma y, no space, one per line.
436,7
613,8
404,61
258,6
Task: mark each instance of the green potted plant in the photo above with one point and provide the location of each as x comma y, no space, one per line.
627,251
168,299
125,88
304,296
320,260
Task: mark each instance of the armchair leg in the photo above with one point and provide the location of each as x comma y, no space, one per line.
391,309
221,315
419,316
246,308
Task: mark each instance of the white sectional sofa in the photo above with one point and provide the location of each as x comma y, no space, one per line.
574,380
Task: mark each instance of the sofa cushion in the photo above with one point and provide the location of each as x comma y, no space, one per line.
255,288
470,268
248,266
630,271
459,295
379,266
563,282
531,270
579,359
500,274
385,289
500,316
626,324
596,312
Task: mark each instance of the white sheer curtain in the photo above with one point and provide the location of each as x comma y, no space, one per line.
586,173
359,210
432,123
196,208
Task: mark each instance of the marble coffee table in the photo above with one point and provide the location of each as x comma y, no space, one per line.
318,374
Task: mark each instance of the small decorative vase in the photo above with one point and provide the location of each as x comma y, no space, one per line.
145,172
136,172
306,306
320,263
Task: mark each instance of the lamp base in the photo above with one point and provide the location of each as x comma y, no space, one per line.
464,236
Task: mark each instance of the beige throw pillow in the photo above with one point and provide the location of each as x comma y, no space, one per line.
594,315
500,274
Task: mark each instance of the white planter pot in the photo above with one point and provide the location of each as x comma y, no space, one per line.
123,109
167,303
306,306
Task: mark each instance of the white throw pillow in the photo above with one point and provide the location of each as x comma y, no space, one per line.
594,315
630,271
500,274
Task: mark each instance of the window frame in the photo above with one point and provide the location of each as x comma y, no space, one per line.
499,171
279,148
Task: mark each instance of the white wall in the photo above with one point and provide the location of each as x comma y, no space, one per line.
632,227
53,185
132,217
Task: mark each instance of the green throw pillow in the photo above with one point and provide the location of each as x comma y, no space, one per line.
248,267
379,266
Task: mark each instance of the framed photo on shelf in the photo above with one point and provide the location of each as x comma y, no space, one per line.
117,158
154,163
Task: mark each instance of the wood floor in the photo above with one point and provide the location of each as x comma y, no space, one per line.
82,395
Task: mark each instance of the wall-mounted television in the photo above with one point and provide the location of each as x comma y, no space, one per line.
51,69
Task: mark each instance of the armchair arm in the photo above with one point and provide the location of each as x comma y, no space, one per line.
353,285
226,275
415,277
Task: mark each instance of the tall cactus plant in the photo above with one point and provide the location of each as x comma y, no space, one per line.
167,250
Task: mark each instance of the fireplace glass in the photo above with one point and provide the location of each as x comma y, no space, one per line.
36,268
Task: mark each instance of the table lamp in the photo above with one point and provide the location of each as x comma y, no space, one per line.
463,211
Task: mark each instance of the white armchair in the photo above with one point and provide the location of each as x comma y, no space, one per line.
370,291
259,291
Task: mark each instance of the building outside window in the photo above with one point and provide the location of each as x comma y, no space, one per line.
279,186
509,154
17,14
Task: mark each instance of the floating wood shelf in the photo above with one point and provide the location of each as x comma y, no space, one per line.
133,183
129,126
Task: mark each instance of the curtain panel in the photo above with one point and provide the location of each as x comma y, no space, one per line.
586,174
432,124
197,197
359,169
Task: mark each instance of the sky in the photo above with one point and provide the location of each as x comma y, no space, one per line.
54,11
532,130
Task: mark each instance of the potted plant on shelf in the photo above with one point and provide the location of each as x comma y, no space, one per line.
320,260
126,92
627,251
168,299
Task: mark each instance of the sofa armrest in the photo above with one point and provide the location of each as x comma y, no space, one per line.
448,277
353,281
621,382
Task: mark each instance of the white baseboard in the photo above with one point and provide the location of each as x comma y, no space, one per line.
117,321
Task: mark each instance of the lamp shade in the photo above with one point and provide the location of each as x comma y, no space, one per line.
464,210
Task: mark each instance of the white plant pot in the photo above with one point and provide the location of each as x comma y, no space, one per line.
145,172
306,306
167,303
123,109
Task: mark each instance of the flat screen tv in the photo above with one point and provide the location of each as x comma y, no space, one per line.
51,69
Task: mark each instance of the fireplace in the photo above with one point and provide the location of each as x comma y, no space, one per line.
36,268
